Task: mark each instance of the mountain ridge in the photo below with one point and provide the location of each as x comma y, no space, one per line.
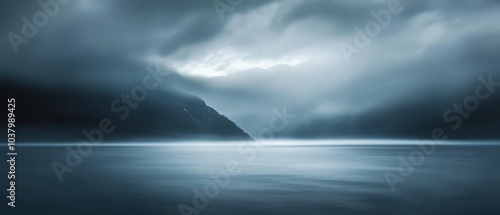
64,114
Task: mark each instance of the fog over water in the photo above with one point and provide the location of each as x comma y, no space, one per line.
337,130
297,177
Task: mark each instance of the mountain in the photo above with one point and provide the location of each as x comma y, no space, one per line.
75,113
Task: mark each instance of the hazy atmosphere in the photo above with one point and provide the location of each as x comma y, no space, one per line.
176,90
244,60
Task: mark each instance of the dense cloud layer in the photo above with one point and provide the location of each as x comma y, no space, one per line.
269,54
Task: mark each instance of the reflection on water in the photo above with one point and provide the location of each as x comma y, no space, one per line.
302,178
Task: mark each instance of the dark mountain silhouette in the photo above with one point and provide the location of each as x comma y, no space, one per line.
61,114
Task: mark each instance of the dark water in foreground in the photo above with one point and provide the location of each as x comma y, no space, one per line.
297,179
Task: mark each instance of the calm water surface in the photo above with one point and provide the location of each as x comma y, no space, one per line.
303,178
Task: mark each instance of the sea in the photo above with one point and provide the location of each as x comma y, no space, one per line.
285,177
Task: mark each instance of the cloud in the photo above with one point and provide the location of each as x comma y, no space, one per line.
424,61
268,54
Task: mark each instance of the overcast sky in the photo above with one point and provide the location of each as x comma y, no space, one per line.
267,54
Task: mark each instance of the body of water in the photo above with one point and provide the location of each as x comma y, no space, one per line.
249,178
